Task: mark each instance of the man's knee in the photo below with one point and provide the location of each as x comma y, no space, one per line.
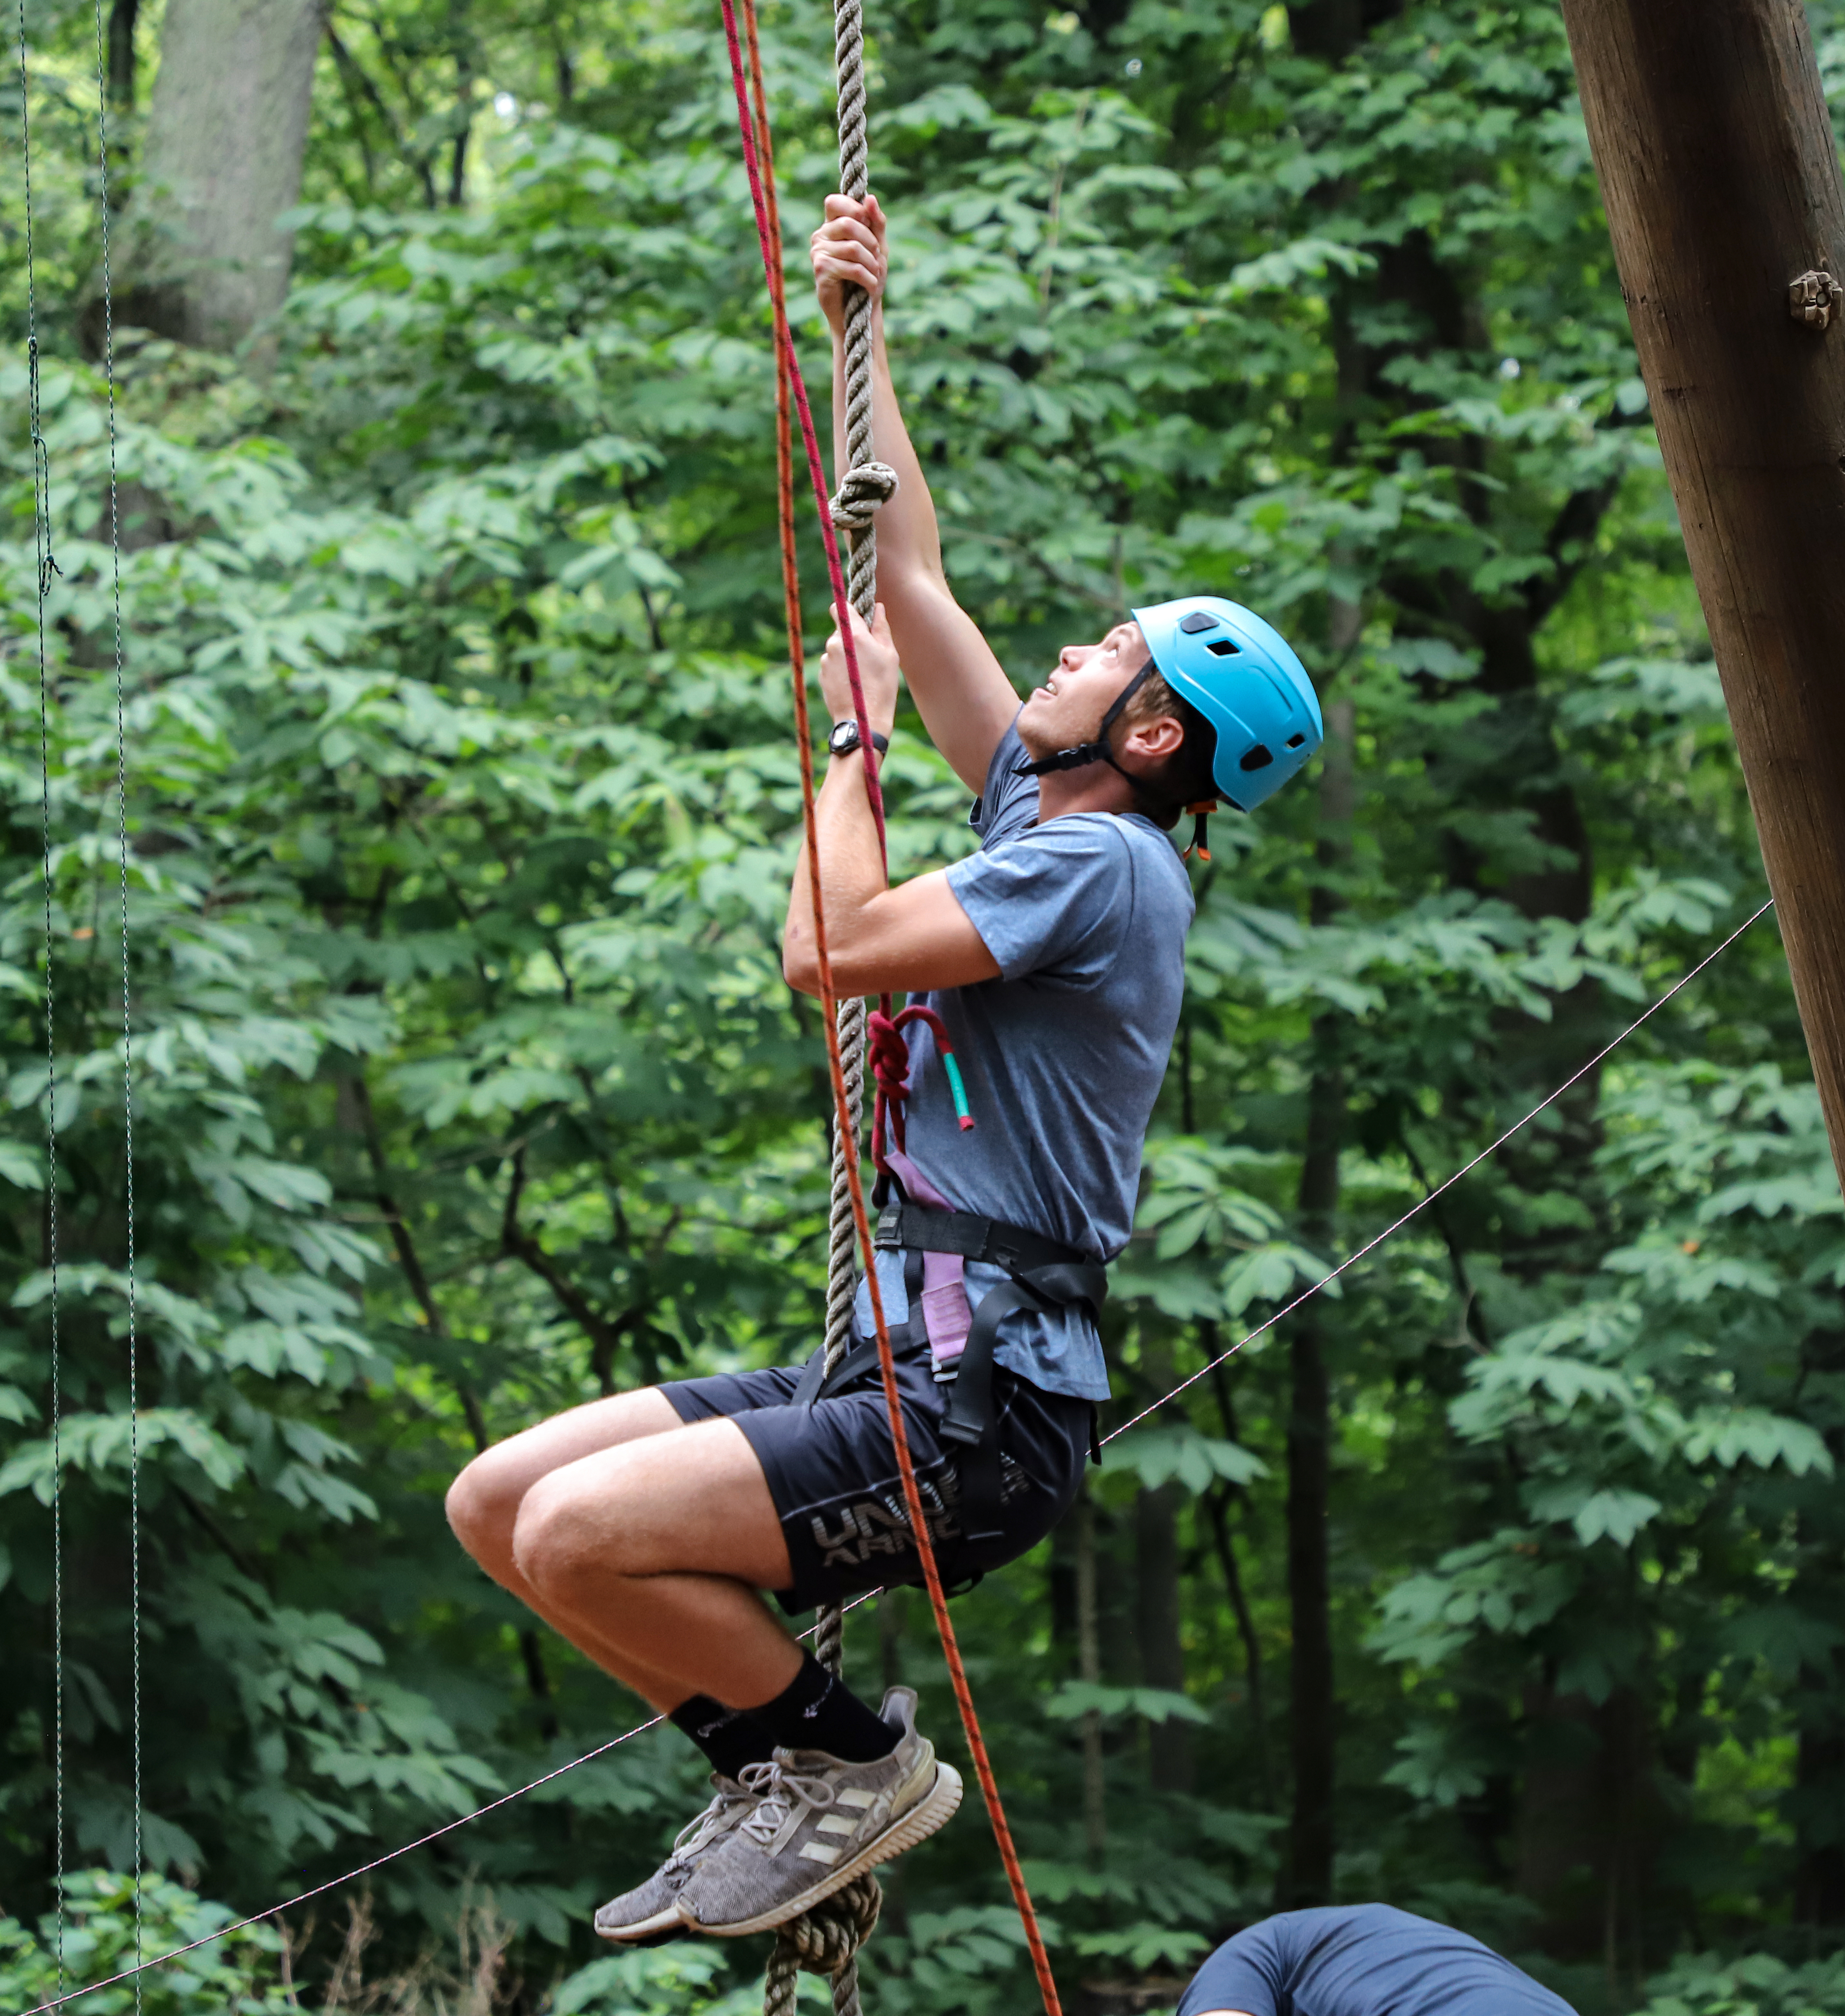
482,1508
557,1545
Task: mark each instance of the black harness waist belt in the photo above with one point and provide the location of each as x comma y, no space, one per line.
1044,1275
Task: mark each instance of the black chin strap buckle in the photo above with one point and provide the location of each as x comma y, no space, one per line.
1078,759
1097,751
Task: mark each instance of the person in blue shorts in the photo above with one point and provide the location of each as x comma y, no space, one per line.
1050,963
1361,1959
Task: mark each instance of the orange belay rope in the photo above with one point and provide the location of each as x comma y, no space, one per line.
752,121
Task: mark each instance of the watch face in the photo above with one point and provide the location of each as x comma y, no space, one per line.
845,737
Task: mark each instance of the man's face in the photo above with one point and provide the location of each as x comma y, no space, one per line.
1068,707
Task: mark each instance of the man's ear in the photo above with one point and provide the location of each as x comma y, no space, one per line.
1156,739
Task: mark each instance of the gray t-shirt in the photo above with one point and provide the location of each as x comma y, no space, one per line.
1063,1054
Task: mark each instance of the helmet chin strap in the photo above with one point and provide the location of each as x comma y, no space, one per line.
1097,751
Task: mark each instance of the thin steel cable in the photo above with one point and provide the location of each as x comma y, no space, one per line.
1441,1189
506,1799
44,568
127,1069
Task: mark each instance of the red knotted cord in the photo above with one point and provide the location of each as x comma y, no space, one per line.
768,235
890,1071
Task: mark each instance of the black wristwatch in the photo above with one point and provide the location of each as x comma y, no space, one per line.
843,739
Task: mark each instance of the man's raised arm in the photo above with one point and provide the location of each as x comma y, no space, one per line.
966,700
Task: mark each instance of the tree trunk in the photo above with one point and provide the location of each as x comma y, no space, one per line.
1216,1507
225,132
1172,1753
1716,156
1306,1872
1590,1825
122,15
1089,1667
1819,1778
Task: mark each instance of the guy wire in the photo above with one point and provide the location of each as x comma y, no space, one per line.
507,1798
127,1033
1448,1183
44,568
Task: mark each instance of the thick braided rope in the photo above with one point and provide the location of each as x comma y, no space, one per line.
863,487
853,511
825,1940
835,1930
913,1499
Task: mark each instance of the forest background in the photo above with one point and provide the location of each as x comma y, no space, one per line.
1504,1584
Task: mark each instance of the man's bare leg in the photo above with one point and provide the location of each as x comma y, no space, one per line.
613,1511
651,1554
483,1504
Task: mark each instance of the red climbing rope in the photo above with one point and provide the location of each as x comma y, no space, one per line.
760,171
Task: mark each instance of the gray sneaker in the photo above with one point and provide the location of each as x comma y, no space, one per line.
652,1908
818,1823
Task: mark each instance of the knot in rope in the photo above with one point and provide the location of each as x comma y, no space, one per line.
862,491
890,1066
824,1940
890,1054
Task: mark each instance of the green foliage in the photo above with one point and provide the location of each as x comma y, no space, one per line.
1702,1985
460,810
235,1975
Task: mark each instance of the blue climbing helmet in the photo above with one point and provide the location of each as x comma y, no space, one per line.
1242,675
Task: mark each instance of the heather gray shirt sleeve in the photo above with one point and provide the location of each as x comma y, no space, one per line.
1055,901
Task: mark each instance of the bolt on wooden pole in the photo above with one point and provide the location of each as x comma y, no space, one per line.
1717,166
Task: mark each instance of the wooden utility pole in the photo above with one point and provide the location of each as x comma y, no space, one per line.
1721,181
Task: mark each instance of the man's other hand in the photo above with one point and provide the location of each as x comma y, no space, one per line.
848,249
878,672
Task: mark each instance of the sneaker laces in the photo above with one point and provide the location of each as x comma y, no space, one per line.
778,1791
718,1818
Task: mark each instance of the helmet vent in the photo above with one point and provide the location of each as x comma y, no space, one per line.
1199,619
1258,758
1294,741
1221,647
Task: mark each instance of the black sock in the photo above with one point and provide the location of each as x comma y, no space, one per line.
728,1736
817,1711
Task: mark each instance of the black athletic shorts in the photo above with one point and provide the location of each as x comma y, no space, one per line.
832,1472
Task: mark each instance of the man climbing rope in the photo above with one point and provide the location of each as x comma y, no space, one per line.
1361,1959
1049,964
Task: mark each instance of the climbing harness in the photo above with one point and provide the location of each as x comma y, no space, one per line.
505,1799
